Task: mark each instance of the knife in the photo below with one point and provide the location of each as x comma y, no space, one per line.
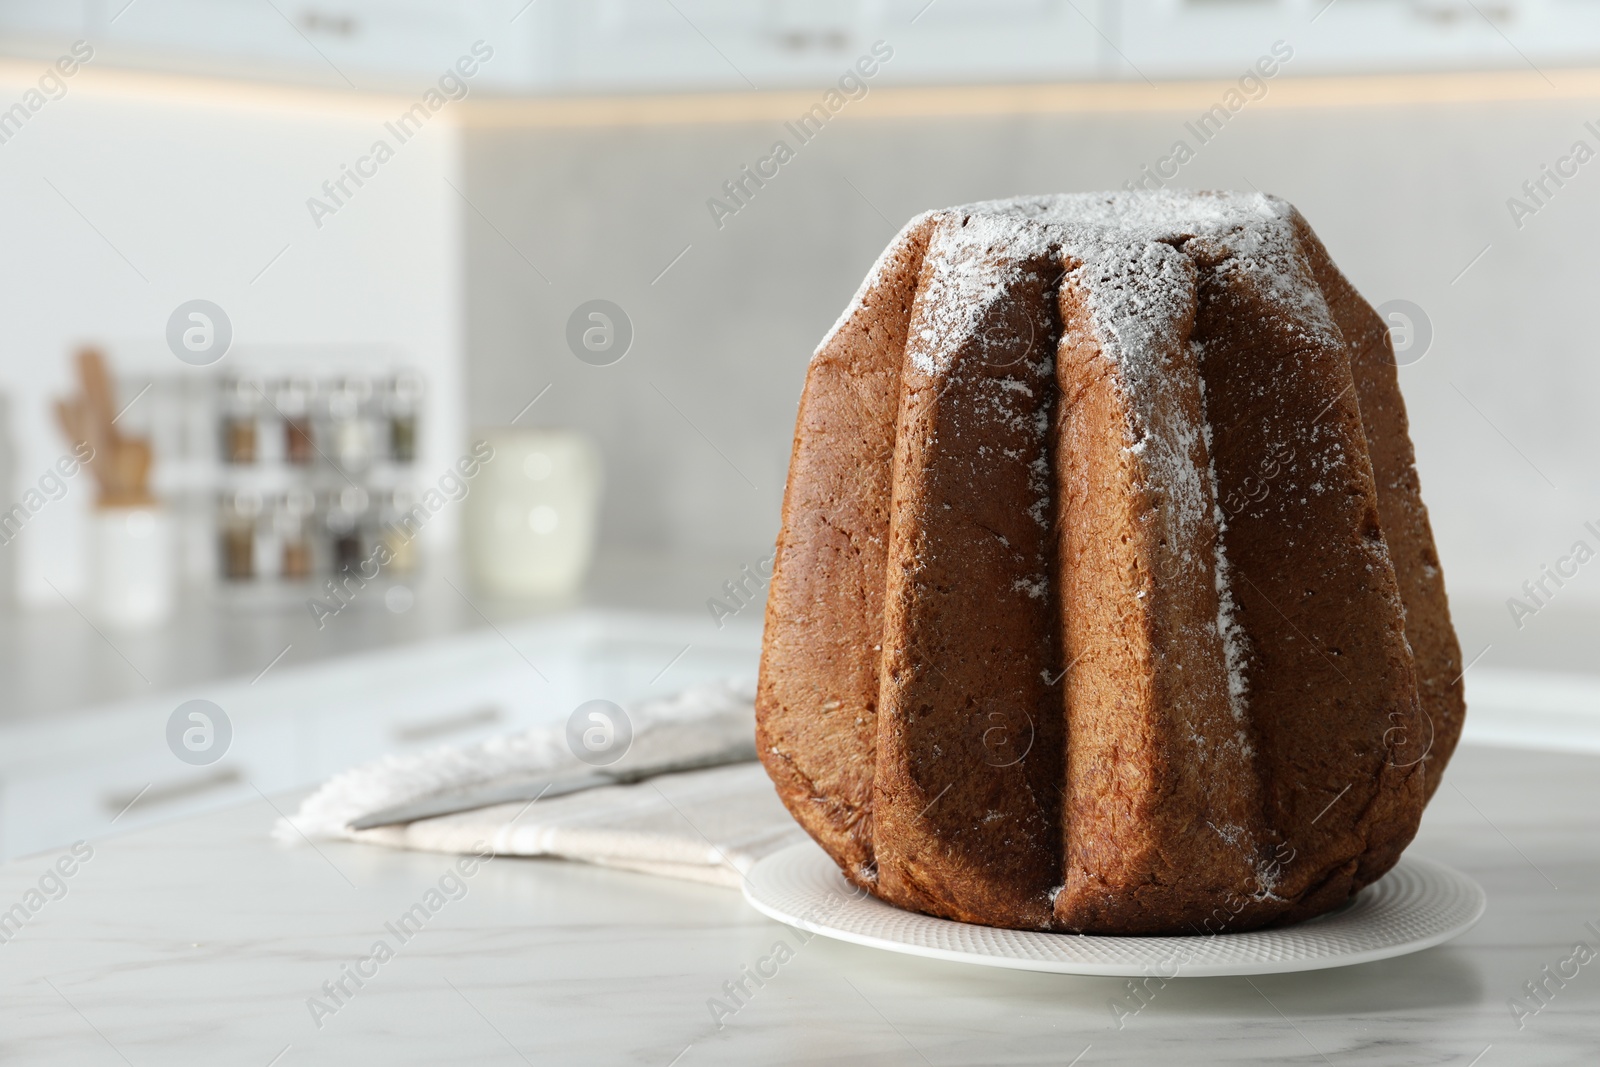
540,788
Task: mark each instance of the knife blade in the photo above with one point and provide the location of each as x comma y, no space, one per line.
542,787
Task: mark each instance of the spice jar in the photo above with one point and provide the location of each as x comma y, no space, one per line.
238,522
294,533
239,421
399,530
349,432
405,396
346,512
294,403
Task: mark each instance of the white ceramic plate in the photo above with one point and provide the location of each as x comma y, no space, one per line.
1415,906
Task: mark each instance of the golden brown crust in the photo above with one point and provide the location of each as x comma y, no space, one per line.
1163,817
1331,682
966,805
1209,648
1405,518
818,695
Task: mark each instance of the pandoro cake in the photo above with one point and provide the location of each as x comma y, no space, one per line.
1105,599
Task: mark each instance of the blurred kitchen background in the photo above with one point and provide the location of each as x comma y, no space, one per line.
559,257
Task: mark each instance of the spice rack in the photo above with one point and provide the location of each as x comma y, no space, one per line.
280,480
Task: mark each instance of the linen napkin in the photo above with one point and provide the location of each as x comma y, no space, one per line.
708,825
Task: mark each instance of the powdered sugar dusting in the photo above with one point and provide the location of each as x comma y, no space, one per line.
974,267
874,276
1140,287
970,267
1132,258
1228,627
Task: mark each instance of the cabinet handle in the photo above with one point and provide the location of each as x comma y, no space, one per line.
122,800
447,724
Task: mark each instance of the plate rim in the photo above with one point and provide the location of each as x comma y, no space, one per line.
1117,969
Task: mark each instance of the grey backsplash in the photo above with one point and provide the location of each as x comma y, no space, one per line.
696,421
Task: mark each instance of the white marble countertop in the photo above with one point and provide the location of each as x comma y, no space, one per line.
200,941
55,661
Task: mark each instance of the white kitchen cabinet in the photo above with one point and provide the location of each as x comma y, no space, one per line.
606,46
136,782
297,726
367,44
1218,38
